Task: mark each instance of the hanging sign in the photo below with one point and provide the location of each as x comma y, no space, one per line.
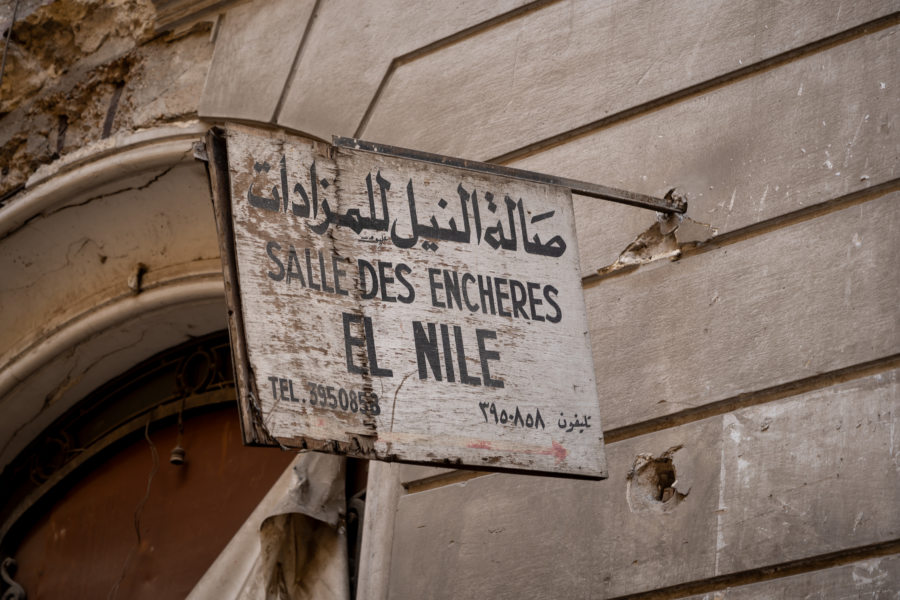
404,307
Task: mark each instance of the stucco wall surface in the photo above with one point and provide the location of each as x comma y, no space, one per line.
746,353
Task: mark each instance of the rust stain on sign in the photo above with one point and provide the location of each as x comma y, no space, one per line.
397,309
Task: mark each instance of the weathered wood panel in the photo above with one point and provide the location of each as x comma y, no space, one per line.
780,141
795,302
501,377
510,537
873,579
351,45
572,63
255,48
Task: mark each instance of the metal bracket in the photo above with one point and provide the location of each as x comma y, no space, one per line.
14,591
670,204
356,513
199,151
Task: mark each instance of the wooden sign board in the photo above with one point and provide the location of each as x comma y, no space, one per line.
397,309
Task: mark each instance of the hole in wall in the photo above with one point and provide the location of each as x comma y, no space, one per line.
652,483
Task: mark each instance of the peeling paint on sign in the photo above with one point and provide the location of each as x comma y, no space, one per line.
394,309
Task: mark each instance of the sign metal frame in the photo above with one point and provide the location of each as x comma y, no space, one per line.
670,204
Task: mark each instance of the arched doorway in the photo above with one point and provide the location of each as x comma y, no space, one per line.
98,508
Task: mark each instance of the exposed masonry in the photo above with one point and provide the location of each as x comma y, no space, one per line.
81,70
653,483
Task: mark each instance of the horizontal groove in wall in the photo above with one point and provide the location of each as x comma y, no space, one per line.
698,413
750,576
769,572
473,30
764,396
700,88
762,228
793,218
430,483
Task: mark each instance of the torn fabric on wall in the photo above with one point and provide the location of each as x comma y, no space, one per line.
293,545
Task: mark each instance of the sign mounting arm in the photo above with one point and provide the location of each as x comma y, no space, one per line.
672,203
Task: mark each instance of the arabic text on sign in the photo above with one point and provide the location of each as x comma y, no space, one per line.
430,232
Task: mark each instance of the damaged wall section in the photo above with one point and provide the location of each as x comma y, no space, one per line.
81,70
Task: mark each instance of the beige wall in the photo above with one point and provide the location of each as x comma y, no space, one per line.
758,342
767,352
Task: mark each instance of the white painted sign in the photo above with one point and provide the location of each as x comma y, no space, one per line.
399,309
